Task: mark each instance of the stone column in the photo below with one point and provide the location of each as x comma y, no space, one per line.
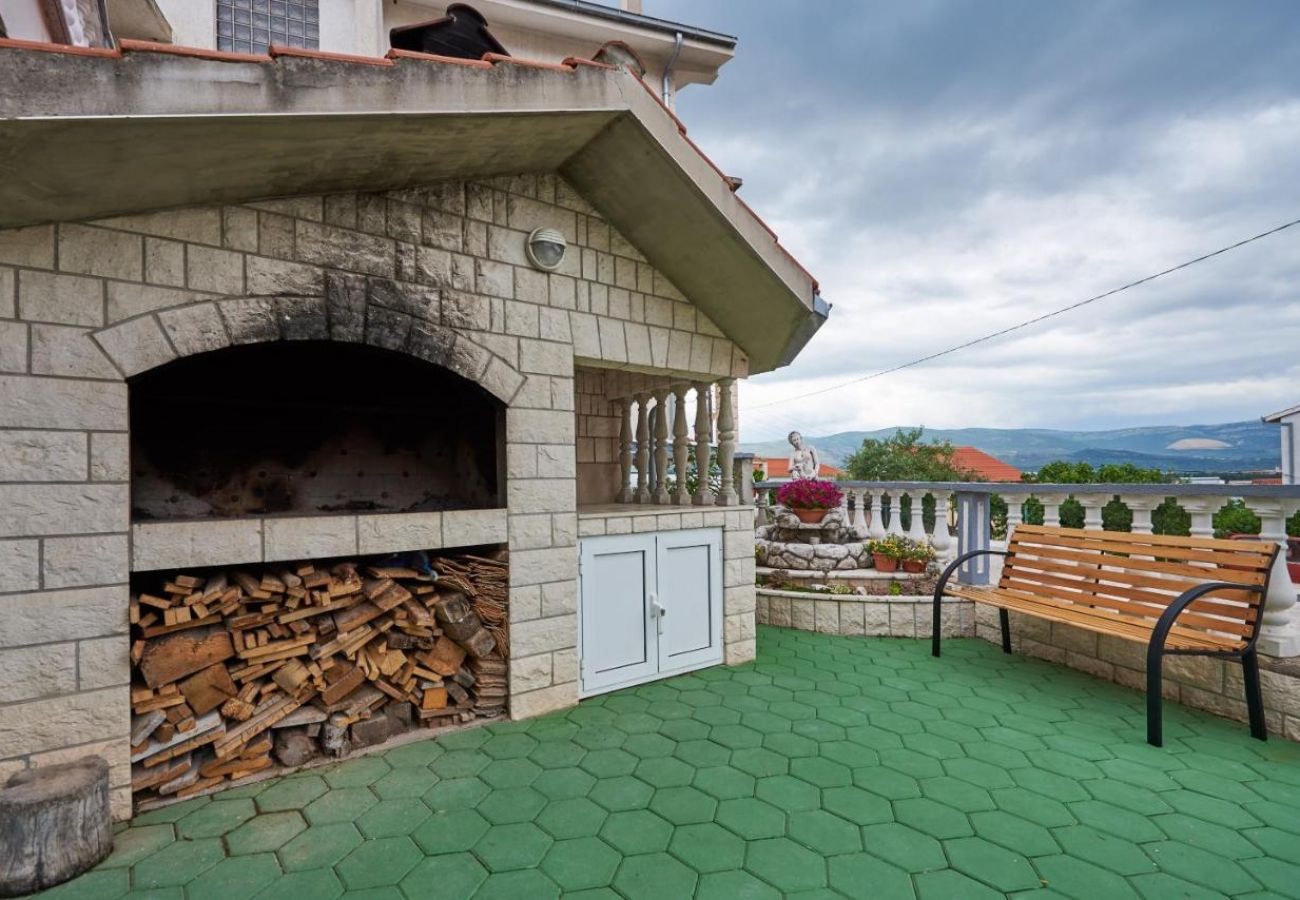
642,494
660,490
1092,506
1052,509
1015,512
681,444
876,531
1142,506
1202,510
727,442
973,533
1279,632
703,437
941,540
916,527
895,513
624,449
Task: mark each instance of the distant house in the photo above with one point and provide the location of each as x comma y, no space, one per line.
1289,419
777,468
983,466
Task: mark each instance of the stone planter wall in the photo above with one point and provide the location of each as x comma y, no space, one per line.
851,614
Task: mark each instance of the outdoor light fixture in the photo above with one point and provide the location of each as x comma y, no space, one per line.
545,249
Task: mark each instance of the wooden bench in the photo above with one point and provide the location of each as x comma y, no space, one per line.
1185,596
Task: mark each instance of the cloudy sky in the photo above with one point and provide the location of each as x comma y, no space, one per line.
947,169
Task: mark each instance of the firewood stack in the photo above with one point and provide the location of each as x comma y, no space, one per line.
235,671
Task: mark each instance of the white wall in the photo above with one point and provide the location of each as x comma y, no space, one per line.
23,20
1290,449
194,22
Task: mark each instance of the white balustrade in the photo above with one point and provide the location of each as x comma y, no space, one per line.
916,516
895,526
703,450
659,490
941,539
727,442
1141,506
876,531
642,494
681,446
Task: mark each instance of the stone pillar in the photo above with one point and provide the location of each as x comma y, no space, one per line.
703,451
1280,630
1141,506
895,513
876,531
916,527
941,540
681,444
973,533
727,442
642,494
1015,512
660,487
1202,510
1052,509
624,449
1092,507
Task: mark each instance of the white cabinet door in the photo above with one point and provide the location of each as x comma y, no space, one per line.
689,565
619,642
650,605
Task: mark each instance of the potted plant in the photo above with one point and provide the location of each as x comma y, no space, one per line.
809,498
889,552
918,555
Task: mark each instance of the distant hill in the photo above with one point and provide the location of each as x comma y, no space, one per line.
1246,445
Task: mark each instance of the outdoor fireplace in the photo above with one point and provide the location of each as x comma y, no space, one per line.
309,428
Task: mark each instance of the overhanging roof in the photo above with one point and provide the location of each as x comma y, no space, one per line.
96,133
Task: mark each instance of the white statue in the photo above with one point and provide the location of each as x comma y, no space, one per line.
805,462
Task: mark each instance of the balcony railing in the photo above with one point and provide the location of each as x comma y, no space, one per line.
963,521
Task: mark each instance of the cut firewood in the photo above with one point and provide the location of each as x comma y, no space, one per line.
208,689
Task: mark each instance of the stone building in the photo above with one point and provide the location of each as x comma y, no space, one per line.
168,214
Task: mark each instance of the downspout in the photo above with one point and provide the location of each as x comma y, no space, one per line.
668,71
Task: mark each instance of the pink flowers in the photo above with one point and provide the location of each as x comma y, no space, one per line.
809,493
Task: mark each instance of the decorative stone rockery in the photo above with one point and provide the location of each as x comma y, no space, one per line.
829,545
55,824
237,670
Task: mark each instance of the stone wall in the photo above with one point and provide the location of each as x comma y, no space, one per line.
862,616
439,273
598,430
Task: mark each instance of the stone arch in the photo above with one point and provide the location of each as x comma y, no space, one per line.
376,312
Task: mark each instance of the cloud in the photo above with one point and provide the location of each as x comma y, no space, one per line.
947,169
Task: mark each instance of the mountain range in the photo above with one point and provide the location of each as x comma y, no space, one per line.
1185,449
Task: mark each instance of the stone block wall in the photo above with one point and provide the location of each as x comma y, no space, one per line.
863,616
598,430
438,273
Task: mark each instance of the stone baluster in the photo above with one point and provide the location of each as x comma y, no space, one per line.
642,494
1280,629
895,526
941,539
624,449
1142,506
1092,506
916,525
703,437
974,532
1202,510
1052,509
845,498
876,531
681,445
1015,512
660,488
727,442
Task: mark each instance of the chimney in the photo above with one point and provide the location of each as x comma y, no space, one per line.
632,6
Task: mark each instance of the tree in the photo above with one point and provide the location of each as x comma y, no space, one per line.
903,456
1167,518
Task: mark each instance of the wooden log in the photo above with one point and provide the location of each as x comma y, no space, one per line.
175,656
445,657
208,689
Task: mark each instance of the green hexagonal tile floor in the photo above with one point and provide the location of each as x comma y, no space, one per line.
832,766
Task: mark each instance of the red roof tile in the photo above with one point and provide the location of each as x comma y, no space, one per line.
982,465
47,47
434,57
779,467
128,45
278,50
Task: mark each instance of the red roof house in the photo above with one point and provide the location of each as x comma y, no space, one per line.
983,466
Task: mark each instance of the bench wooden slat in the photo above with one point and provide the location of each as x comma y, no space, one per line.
1112,624
1220,619
1171,572
1250,557
1155,540
1144,587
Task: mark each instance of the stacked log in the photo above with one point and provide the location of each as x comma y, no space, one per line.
234,671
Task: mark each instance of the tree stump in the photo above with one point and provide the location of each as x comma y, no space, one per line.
55,824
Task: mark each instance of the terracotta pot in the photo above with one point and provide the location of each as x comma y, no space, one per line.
885,563
810,516
913,565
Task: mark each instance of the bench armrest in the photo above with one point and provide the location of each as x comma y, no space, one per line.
956,563
1184,600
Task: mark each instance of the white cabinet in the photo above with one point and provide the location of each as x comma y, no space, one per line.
650,606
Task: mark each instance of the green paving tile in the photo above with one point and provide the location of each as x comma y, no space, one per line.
825,832
404,782
178,863
867,877
622,793
101,884
751,818
655,876
904,847
785,864
318,884
1162,886
136,843
734,885
1200,867
414,755
1208,835
339,805
215,819
609,762
356,772
571,818
236,878
532,884
647,746
265,833
1084,881
788,793
454,876
935,819
725,782
378,863
510,773
319,846
448,832
518,846
393,817
684,805
636,831
707,847
557,754
581,863
993,865
949,883
1103,849
1014,833
508,805
662,772
291,793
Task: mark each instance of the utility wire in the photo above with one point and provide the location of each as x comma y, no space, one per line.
1028,322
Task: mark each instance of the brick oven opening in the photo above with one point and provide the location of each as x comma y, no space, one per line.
310,428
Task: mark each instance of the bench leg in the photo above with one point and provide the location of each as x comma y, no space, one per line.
1254,701
1004,620
937,620
1155,697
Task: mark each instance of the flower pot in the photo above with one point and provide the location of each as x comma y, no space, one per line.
914,565
885,563
810,516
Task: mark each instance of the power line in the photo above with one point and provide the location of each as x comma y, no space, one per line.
1028,322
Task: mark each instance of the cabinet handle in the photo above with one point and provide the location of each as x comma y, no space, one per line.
659,612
